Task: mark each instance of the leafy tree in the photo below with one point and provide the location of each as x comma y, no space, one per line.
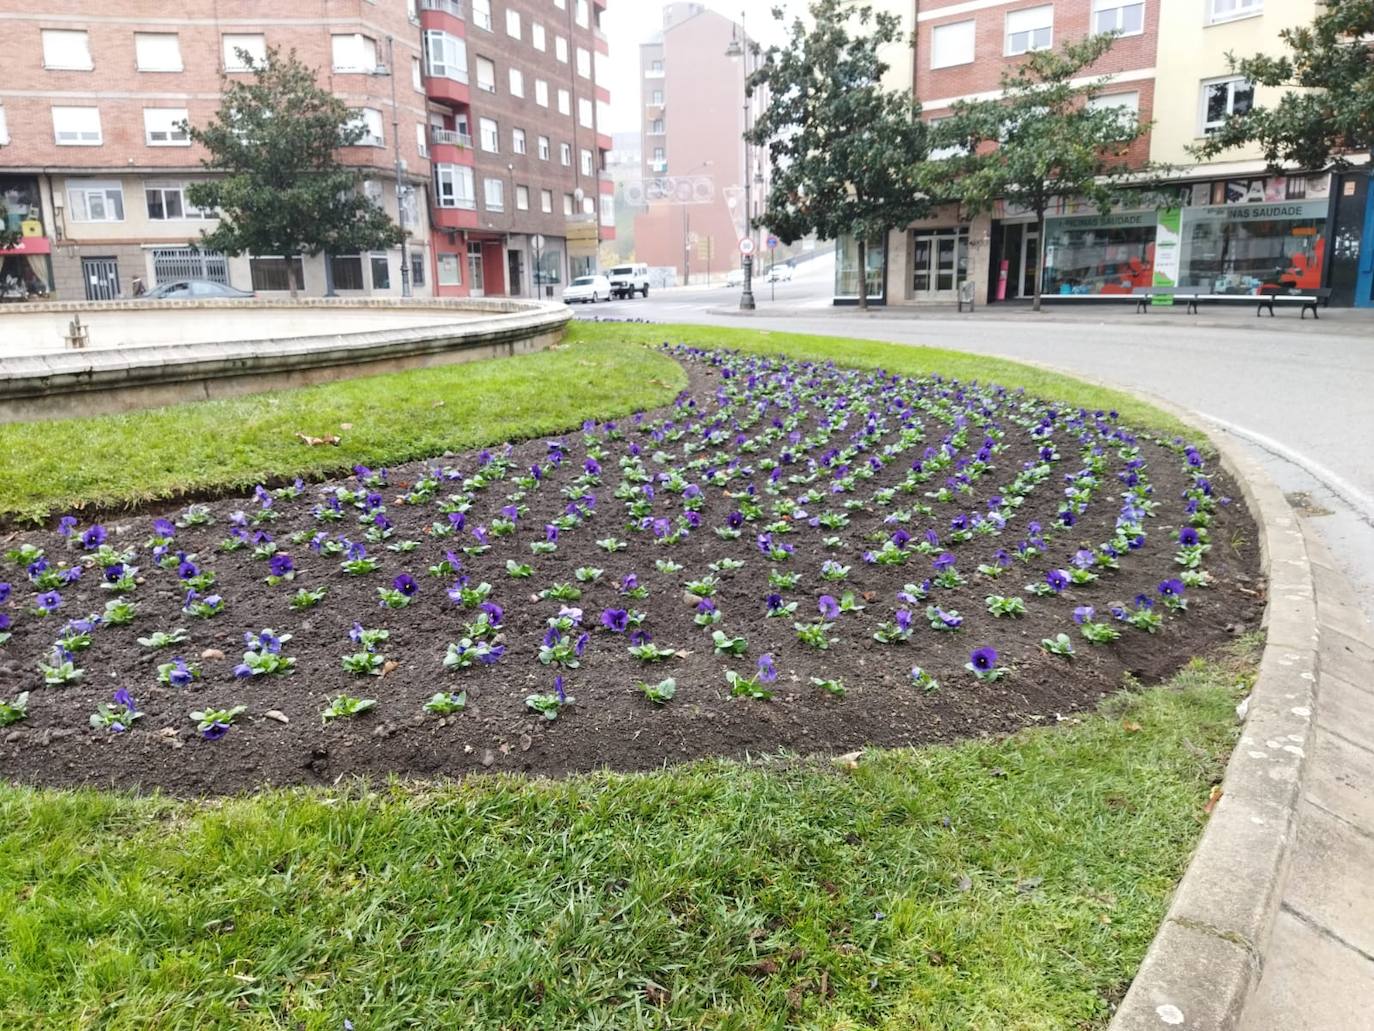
843,149
1332,63
281,188
1039,141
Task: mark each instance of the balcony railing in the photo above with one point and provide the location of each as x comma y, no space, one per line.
453,7
450,137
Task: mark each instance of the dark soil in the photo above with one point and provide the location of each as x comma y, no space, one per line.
611,723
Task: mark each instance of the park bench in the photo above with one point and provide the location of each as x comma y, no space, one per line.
1144,295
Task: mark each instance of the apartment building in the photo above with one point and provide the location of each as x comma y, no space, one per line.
94,169
1227,225
694,157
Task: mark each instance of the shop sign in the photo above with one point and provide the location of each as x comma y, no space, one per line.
1124,218
1297,209
1168,245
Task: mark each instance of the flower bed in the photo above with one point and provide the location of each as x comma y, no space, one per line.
791,556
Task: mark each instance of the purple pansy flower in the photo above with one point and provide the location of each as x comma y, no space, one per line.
405,583
93,538
983,659
1057,579
615,620
767,671
829,607
280,564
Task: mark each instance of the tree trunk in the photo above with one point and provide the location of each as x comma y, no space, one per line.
1040,259
291,277
863,273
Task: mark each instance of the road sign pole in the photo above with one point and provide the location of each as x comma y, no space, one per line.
746,248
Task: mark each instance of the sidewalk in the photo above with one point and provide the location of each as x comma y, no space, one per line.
1319,964
1333,321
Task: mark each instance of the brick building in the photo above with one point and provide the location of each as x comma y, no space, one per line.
1228,226
693,155
94,169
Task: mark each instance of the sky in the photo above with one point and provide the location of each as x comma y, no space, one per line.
627,23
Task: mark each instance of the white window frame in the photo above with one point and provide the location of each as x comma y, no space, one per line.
522,198
455,187
584,62
541,92
586,113
371,120
1119,7
152,53
963,33
568,201
78,199
446,56
255,43
512,23
585,162
494,194
447,260
66,50
188,213
489,135
417,75
4,127
353,53
1205,128
1023,15
481,14
560,48
1238,9
538,37
544,148
486,82
582,13
83,135
517,82
422,139
160,129
565,155
518,143
564,102
546,201
1117,101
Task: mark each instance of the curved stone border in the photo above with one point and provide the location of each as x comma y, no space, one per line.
68,383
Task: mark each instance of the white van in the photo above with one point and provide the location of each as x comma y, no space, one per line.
627,280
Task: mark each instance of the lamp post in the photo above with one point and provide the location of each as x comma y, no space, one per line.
400,170
739,49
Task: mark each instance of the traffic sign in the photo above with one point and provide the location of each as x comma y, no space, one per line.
772,243
746,246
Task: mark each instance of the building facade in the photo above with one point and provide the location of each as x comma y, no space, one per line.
94,166
692,196
1227,226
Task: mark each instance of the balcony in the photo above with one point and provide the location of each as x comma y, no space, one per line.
451,91
450,147
449,137
454,218
449,7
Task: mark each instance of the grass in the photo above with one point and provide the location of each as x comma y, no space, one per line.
115,462
1010,885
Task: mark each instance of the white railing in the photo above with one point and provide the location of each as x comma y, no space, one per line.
450,137
453,7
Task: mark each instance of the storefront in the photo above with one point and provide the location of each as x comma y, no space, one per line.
1099,254
847,270
25,268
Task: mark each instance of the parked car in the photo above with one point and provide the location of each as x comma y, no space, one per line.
588,288
735,277
627,280
780,274
186,289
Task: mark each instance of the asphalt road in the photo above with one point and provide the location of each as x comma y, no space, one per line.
1299,394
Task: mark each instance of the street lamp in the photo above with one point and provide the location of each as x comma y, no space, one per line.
738,49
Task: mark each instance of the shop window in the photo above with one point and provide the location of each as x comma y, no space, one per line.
847,268
450,270
1095,255
1254,248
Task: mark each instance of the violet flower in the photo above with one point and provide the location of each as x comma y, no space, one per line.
280,564
829,607
405,583
768,672
983,659
93,538
615,620
49,601
1057,579
66,525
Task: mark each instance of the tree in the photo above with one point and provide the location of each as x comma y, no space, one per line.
1332,63
1039,141
281,188
843,149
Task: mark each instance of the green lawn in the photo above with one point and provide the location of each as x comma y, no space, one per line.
118,461
1008,885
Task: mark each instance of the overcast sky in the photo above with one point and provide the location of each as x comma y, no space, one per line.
627,23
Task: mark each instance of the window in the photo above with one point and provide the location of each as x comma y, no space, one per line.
453,187
486,75
656,67
369,119
584,112
567,203
163,127
66,50
354,52
417,269
951,44
422,139
450,270
1125,17
94,200
656,98
565,154
581,13
381,272
546,201
167,202
517,141
346,271
271,273
517,82
490,135
588,206
1125,102
417,80
522,198
560,48
1222,98
1230,10
76,126
660,155
1030,29
584,62
541,92
564,102
512,23
607,210
254,46
538,37
4,127
447,56
543,148
586,158
481,14
656,127
495,190
157,52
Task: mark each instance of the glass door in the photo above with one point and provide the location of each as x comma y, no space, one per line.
1030,262
921,271
475,281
